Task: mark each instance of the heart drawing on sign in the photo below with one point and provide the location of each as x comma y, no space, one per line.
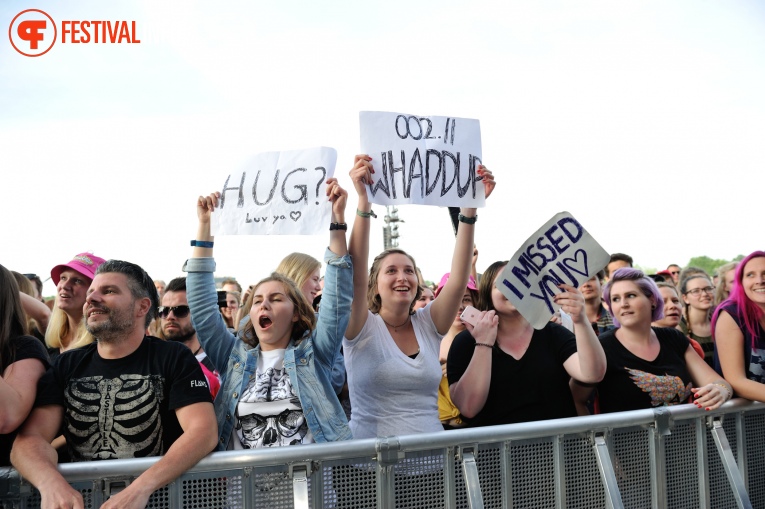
295,215
575,260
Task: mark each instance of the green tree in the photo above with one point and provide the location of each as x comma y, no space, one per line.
709,265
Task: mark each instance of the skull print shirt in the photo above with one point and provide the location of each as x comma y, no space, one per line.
269,412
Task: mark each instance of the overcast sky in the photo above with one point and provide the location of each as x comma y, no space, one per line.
644,119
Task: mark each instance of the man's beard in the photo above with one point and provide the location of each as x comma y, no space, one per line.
115,329
181,335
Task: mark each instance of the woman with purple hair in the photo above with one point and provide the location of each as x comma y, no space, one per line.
650,366
739,330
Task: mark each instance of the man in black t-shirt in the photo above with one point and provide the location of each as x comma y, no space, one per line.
125,396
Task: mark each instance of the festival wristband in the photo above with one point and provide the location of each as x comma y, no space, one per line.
202,243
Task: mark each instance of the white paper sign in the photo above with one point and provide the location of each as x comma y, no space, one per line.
277,193
425,160
559,252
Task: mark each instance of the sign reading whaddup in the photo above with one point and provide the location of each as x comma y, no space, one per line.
559,252
277,193
425,160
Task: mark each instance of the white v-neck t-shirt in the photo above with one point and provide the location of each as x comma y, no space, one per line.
391,393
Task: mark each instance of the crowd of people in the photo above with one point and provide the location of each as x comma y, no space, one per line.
124,366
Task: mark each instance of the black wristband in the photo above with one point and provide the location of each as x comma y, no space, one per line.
338,226
467,220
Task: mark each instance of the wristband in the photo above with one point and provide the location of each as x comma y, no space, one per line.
728,392
338,226
202,243
487,345
467,220
371,213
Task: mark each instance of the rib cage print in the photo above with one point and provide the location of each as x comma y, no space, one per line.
111,418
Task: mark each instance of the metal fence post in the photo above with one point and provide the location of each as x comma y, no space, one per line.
729,462
388,451
607,474
467,454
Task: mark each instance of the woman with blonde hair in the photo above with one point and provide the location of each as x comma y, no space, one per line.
391,351
66,328
727,275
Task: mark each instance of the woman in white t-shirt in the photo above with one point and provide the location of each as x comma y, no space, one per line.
391,351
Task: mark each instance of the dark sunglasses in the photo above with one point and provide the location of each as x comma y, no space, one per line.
178,311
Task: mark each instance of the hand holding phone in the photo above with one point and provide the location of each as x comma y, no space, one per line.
470,315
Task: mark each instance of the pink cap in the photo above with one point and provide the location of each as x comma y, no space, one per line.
84,263
471,285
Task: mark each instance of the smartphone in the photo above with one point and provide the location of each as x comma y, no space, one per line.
470,315
222,299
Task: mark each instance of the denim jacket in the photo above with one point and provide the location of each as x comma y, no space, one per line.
308,364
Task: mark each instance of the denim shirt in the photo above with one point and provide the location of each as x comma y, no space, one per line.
308,364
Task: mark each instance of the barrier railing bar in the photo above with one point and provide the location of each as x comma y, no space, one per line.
729,463
507,477
242,462
470,474
300,487
657,456
658,477
701,464
450,482
607,475
559,471
388,450
743,462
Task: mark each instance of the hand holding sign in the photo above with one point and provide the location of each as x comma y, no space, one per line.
277,193
428,160
560,255
572,302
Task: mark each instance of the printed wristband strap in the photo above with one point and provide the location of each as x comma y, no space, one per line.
467,220
338,226
202,243
487,345
371,213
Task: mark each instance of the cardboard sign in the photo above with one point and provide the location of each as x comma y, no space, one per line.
277,193
561,251
422,160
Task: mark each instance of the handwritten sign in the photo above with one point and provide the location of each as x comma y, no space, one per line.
561,251
422,160
277,193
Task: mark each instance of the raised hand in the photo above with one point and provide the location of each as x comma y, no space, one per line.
339,197
361,173
205,206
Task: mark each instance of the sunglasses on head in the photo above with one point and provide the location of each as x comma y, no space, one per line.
178,311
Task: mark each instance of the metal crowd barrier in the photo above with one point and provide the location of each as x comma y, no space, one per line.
667,457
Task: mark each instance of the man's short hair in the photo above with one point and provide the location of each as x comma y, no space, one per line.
621,257
140,284
176,285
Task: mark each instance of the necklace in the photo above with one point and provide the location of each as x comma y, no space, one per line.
198,349
395,327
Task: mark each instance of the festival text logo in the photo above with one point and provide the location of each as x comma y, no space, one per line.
33,32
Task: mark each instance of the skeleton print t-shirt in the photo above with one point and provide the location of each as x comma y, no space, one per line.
269,413
123,408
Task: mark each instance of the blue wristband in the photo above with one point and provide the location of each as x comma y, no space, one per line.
202,243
